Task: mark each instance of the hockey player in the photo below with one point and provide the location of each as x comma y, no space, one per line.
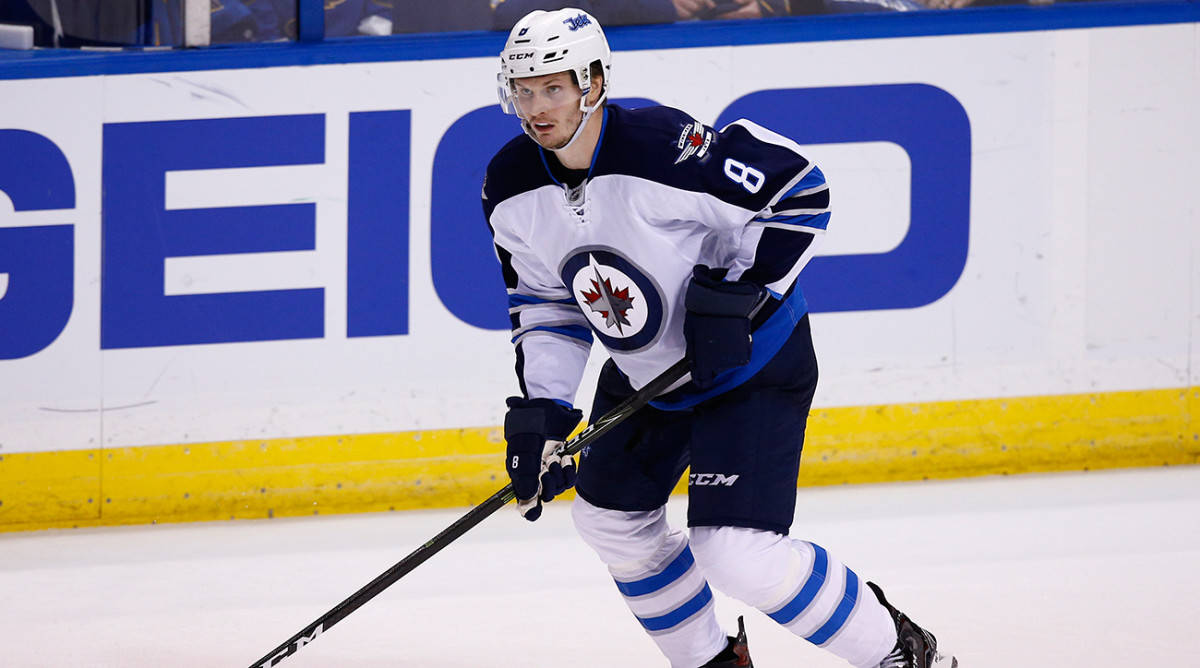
664,239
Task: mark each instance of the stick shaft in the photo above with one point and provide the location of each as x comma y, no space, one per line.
465,523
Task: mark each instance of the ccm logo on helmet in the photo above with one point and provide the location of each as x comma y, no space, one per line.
577,22
520,56
710,479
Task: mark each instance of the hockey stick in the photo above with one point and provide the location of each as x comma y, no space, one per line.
466,522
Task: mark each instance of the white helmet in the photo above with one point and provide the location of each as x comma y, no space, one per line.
564,40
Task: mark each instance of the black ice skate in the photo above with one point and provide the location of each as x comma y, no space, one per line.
915,647
736,654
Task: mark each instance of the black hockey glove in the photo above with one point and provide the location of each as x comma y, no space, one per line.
535,430
717,323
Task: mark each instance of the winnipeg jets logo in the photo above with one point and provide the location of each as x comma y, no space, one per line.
694,140
622,303
577,22
612,305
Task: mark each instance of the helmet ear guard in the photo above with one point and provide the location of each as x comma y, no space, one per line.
583,79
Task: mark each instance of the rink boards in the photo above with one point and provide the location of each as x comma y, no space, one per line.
256,282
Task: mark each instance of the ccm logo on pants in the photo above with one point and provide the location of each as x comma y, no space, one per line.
707,479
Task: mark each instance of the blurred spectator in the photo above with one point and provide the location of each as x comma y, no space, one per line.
274,20
862,6
409,16
959,4
735,9
624,12
75,23
608,12
234,21
345,18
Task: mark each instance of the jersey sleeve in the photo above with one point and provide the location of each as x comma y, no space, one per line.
764,172
551,336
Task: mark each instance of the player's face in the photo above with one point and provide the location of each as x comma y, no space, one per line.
550,104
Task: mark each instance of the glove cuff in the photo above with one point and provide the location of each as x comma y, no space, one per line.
708,294
544,417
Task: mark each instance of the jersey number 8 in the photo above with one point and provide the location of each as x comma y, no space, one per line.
750,178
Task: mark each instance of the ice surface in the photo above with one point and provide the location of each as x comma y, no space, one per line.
1092,570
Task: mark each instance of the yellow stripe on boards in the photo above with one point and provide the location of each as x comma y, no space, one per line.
954,439
461,467
266,478
39,489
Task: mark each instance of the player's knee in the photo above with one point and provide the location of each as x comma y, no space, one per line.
626,541
754,566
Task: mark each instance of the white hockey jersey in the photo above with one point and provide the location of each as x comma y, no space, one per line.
610,258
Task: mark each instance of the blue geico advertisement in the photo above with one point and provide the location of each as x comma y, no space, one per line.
295,250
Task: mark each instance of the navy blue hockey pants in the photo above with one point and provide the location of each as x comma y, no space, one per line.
743,446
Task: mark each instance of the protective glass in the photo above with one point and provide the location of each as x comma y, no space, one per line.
529,97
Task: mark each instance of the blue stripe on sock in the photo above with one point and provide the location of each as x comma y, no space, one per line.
841,614
677,616
675,570
809,592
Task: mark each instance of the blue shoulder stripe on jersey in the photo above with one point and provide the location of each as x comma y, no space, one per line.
680,614
811,180
573,331
819,221
517,299
817,198
675,570
808,593
841,614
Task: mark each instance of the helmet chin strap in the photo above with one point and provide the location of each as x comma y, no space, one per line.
587,114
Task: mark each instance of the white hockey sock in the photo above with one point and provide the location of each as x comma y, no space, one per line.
833,608
674,603
656,573
800,586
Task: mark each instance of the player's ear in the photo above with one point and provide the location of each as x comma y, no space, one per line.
597,89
